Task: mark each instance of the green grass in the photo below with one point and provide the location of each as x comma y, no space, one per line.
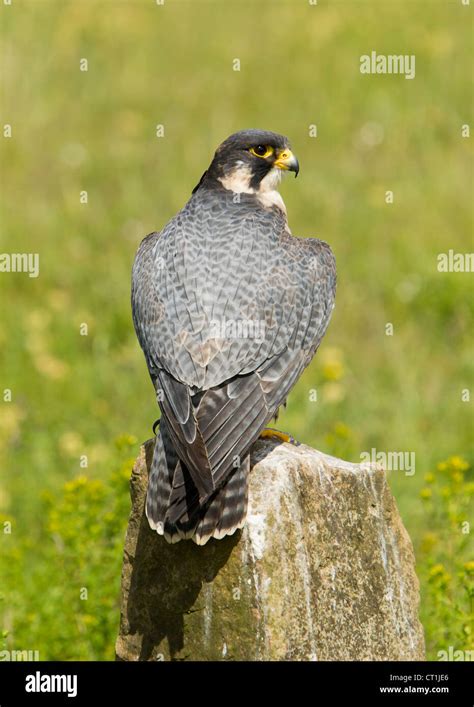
72,395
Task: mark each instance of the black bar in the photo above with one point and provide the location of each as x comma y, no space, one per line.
321,683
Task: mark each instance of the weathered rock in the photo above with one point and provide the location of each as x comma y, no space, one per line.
323,570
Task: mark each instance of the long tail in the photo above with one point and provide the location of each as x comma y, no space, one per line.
172,504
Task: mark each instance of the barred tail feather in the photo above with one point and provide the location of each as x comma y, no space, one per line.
172,504
160,481
226,511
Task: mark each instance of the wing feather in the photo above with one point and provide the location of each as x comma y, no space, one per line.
216,263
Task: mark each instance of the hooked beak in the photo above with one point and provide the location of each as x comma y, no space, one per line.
287,161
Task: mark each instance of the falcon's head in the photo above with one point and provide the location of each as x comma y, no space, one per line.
252,162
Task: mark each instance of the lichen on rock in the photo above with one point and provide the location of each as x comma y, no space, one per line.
323,570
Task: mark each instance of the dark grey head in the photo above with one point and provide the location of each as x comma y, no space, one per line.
251,161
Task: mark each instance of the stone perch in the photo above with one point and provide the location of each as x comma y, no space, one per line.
323,570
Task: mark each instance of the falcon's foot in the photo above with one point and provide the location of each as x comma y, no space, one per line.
276,434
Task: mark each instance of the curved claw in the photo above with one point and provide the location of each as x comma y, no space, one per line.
155,425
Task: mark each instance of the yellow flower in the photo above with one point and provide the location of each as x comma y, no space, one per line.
458,463
74,484
437,570
342,430
53,525
429,478
439,575
89,620
469,567
426,494
125,440
428,542
333,370
332,362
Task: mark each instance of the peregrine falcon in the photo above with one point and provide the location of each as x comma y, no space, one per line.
229,309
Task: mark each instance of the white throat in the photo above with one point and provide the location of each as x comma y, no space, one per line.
238,181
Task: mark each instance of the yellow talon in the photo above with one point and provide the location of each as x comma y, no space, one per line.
282,436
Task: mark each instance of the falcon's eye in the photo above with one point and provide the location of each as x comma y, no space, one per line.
262,150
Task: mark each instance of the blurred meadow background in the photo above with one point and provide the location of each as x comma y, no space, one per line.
81,401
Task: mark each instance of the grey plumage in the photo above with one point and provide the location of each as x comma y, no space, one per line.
223,263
